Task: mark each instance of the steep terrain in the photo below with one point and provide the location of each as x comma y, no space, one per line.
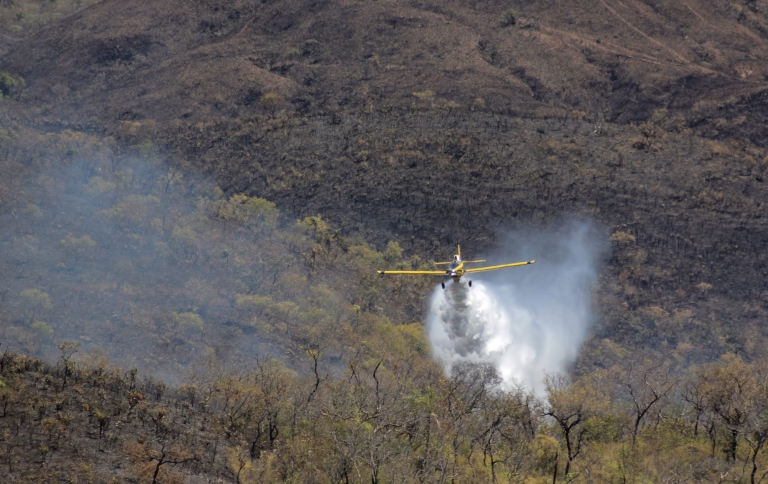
439,122
617,62
143,143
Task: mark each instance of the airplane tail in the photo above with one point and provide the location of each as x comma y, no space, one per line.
458,254
458,248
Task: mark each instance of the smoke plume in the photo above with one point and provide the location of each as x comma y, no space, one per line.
527,321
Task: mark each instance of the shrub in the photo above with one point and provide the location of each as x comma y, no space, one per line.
292,53
271,100
9,83
508,18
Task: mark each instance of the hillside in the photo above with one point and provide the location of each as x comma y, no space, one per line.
436,123
201,192
619,63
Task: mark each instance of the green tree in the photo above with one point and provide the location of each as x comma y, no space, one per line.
151,462
730,391
132,211
9,83
570,405
34,302
68,350
270,101
251,212
393,253
43,330
467,392
77,249
647,383
188,321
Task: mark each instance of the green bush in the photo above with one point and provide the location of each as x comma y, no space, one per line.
9,83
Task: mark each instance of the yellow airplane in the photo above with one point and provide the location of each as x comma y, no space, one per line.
456,268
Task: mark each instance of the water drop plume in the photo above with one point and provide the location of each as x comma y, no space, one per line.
526,321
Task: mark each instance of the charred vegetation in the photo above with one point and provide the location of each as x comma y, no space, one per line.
182,180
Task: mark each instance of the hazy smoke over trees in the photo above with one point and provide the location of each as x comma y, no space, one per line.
159,270
527,321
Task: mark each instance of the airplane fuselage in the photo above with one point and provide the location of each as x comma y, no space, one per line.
456,270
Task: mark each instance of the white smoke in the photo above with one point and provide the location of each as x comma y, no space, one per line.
527,321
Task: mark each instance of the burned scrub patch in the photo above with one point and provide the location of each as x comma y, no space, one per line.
683,206
746,119
120,49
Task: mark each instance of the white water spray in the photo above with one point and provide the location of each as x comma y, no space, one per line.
526,321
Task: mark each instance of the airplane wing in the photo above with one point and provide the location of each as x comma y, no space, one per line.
423,273
502,266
